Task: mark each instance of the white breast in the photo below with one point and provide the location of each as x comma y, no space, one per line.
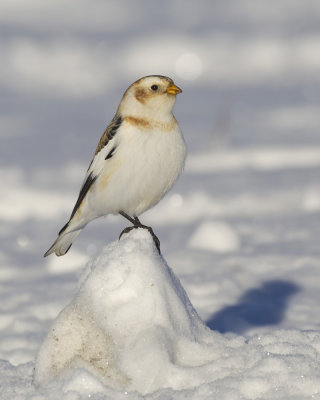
144,167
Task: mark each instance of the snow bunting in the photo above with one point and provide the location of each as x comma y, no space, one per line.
138,158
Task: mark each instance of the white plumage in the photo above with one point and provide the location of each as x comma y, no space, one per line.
138,159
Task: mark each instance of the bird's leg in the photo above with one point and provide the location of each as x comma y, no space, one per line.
137,224
135,221
132,220
154,236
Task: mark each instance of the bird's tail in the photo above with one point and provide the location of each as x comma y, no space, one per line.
63,242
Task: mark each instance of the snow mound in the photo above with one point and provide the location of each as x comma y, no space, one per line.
131,327
131,324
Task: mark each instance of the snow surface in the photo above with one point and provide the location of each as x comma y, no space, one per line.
132,330
241,227
131,327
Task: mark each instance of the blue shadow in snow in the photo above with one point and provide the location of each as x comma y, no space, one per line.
257,307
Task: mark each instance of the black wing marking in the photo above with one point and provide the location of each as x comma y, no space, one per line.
108,134
110,154
84,190
110,131
63,228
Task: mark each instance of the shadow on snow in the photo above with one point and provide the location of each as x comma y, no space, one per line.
265,305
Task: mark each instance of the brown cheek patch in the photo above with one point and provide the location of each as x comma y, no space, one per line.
141,95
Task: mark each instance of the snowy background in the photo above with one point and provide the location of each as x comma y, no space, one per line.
240,229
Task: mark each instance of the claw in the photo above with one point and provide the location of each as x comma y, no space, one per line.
127,230
154,237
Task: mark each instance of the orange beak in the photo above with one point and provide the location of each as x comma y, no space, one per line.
173,89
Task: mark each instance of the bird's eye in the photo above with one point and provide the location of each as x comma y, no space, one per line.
154,87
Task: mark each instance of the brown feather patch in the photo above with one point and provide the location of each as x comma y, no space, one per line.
141,95
140,122
104,179
151,124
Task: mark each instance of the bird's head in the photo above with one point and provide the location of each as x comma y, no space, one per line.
152,96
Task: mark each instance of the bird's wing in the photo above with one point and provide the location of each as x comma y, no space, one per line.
104,151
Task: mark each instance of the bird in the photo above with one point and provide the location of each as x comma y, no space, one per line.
138,159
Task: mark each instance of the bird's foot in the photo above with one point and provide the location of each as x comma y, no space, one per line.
154,237
127,230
